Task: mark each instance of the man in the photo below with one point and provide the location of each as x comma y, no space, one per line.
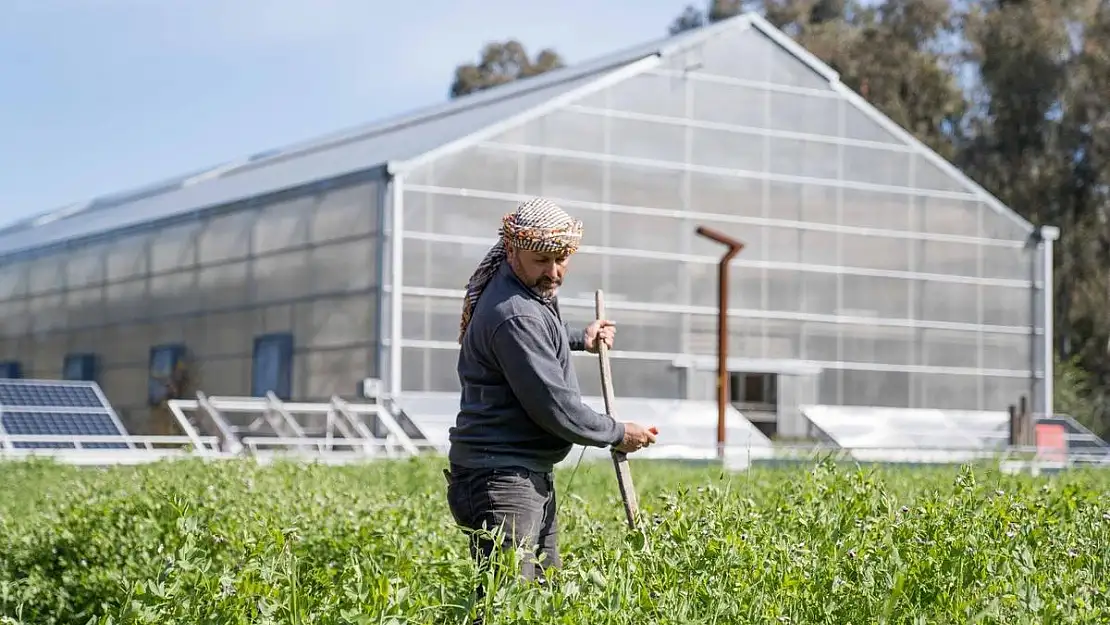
521,409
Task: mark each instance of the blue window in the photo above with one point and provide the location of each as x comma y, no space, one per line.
11,370
272,369
80,367
166,365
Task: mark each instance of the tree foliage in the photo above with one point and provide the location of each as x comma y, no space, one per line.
500,63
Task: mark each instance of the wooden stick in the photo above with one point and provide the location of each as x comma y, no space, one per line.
620,459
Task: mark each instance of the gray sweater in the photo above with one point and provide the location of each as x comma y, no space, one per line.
520,403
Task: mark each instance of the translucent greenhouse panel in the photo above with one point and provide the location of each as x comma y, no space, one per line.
820,293
956,258
748,54
947,348
999,393
935,300
942,391
999,226
281,276
484,168
127,257
15,322
320,374
801,158
888,298
874,344
86,307
775,339
46,274
1013,352
275,319
1008,305
860,126
223,285
174,247
430,318
336,321
564,129
173,293
658,141
726,195
283,224
876,166
563,177
637,330
429,370
1008,262
442,265
657,233
85,266
650,94
351,265
653,379
634,279
876,388
13,280
869,251
222,376
226,237
736,107
873,209
820,342
347,211
637,185
941,215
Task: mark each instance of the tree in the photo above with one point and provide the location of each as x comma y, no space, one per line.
501,63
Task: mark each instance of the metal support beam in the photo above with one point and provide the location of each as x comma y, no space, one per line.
1049,234
734,246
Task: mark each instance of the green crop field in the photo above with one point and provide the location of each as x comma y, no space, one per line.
235,542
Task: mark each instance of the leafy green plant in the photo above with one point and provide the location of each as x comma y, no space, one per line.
236,542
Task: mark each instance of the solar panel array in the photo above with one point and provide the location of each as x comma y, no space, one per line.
56,408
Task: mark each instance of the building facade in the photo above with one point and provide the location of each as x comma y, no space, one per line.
873,273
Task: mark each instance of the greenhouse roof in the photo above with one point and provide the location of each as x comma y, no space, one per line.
392,144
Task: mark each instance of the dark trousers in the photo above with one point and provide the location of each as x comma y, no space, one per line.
520,502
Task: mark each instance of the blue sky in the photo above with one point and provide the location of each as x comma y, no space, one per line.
99,96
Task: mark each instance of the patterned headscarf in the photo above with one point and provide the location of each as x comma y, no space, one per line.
537,225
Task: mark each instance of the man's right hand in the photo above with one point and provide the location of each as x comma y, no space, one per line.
636,437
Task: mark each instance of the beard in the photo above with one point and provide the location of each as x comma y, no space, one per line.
545,287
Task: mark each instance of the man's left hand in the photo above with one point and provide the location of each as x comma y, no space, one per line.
602,329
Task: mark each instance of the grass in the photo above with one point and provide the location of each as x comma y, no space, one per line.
234,542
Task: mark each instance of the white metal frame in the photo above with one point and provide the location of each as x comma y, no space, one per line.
1049,234
460,239
815,226
752,313
287,434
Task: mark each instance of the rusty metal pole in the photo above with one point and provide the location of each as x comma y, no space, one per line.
734,248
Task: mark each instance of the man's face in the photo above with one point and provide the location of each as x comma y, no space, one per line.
540,271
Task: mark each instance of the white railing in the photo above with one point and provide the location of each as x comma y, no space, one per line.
81,449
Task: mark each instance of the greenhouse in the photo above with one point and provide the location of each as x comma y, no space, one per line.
873,274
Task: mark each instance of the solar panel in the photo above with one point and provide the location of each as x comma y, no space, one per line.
905,434
57,408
